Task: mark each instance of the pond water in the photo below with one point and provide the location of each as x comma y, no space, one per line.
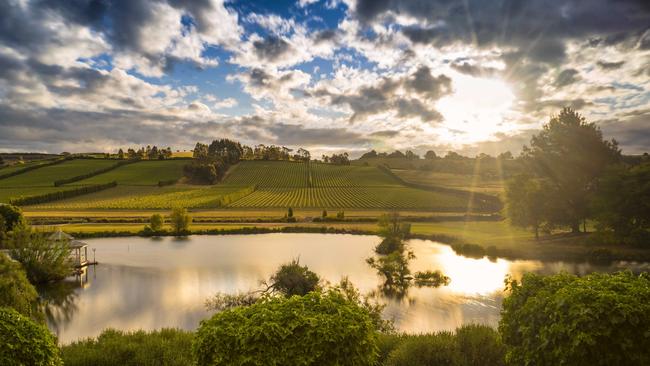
144,283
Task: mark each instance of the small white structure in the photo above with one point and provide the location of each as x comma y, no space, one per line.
78,249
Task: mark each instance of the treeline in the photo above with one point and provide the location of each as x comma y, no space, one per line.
484,165
211,162
59,195
148,152
337,159
273,152
60,182
574,176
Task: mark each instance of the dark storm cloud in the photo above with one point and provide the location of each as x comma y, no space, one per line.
271,48
374,99
474,70
567,77
423,82
610,65
537,28
326,35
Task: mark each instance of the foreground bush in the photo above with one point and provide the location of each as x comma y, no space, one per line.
15,290
166,347
599,319
316,329
24,342
470,345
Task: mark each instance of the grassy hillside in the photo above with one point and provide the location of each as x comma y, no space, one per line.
45,177
279,184
140,173
468,182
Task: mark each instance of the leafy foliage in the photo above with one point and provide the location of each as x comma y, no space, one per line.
180,221
599,319
470,345
526,202
15,290
315,329
293,279
156,222
25,342
623,203
43,260
165,347
11,215
571,154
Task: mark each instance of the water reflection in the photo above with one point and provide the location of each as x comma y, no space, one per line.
144,283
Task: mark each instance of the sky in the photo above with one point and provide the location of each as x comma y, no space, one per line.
328,75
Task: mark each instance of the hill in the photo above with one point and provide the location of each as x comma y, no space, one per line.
247,185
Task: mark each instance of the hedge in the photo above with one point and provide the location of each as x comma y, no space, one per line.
77,178
55,196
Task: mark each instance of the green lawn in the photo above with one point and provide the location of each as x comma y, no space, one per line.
45,177
140,173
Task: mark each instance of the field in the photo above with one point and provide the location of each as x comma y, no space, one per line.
143,197
283,184
473,183
146,173
278,185
45,177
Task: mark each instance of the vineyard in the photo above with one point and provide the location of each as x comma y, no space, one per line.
248,185
45,177
146,173
142,197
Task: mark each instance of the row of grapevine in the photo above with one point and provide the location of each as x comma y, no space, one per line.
350,197
60,195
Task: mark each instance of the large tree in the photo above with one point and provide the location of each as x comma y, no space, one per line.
526,202
570,154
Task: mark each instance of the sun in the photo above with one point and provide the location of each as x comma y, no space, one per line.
476,110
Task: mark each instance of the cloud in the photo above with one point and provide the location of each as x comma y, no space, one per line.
610,65
567,77
271,48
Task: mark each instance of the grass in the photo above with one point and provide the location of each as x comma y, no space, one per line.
473,183
145,197
15,192
45,177
146,173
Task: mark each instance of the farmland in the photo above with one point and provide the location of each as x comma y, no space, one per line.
45,177
277,185
141,173
142,197
468,182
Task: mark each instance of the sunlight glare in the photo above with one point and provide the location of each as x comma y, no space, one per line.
476,110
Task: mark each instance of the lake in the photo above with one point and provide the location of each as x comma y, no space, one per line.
151,283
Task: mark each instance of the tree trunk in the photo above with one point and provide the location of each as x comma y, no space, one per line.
584,225
575,227
536,232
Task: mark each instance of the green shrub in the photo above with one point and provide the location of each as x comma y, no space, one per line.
316,329
24,342
599,319
15,290
386,343
480,345
166,347
438,349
